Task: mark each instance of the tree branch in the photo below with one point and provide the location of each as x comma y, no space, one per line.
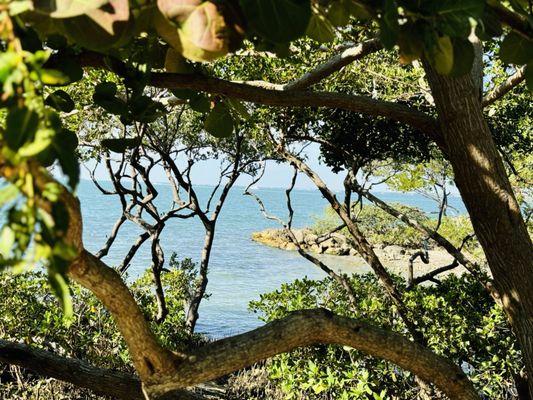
501,90
437,237
361,244
334,64
101,381
513,20
291,98
311,327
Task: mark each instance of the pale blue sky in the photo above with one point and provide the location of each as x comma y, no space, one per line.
277,175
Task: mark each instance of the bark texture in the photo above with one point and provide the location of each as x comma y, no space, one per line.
101,381
485,189
308,327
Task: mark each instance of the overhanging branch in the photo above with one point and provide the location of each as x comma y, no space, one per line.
298,98
274,95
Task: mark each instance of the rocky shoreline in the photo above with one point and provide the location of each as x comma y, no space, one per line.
395,257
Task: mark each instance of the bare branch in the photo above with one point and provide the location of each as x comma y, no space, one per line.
111,239
287,226
430,275
472,267
334,64
361,244
501,90
124,265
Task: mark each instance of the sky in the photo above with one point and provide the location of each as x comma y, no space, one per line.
276,175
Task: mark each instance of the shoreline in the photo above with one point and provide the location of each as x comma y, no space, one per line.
339,255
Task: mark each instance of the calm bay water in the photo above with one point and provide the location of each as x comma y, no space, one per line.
240,269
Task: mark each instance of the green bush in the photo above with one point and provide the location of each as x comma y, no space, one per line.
29,313
381,228
457,317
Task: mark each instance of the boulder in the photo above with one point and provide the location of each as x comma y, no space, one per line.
394,252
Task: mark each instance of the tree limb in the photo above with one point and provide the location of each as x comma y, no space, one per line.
513,20
361,244
501,90
101,381
311,327
432,234
334,64
293,98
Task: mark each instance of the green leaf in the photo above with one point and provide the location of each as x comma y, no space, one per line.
21,125
120,145
56,41
8,193
489,25
441,55
7,240
95,34
67,8
61,69
67,138
529,76
199,103
66,155
60,100
219,122
144,109
388,24
105,96
105,89
60,288
320,29
410,42
176,63
8,62
278,21
43,139
463,57
516,49
240,108
339,13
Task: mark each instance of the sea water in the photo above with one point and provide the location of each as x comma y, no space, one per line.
240,269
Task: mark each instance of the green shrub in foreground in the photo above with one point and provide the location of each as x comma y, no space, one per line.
29,313
458,318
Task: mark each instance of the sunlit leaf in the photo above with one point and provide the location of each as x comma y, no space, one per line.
219,122
67,8
320,29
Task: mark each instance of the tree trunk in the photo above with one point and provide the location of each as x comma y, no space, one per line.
199,292
485,189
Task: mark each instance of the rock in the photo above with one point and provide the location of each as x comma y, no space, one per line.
299,234
311,239
315,249
394,252
339,238
345,250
